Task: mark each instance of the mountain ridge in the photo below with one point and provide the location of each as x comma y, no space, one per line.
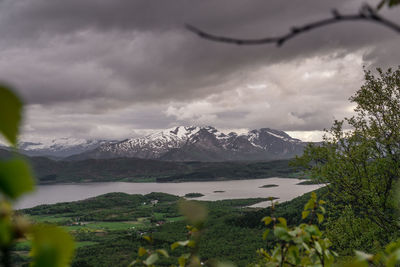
181,143
57,148
194,143
48,171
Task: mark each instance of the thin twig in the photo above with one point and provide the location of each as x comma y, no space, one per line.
366,13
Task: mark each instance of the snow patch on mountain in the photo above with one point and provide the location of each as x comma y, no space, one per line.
62,147
199,143
177,143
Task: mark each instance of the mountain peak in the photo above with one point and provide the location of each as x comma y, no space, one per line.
206,143
183,131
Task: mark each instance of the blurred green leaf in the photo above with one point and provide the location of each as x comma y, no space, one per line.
320,217
310,205
10,114
148,238
51,246
305,214
174,245
163,252
322,209
313,196
363,256
318,247
142,251
191,244
193,211
282,221
305,246
179,243
5,233
15,178
265,234
393,259
151,259
182,261
281,233
267,220
133,263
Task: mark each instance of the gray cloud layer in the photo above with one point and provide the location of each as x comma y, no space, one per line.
100,68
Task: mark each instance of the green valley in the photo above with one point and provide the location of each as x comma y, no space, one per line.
109,229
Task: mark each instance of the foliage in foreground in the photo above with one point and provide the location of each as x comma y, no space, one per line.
51,246
302,245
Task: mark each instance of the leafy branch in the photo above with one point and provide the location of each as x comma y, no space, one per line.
51,245
366,13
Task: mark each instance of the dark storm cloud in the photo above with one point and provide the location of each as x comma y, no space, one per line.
142,45
110,55
60,16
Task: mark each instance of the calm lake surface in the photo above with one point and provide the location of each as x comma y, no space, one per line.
287,189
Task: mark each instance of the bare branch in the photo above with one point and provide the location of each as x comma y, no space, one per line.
366,13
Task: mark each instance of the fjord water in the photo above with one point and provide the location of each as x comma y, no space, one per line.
287,189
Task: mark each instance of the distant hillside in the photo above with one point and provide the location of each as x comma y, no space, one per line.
58,148
134,169
202,144
181,143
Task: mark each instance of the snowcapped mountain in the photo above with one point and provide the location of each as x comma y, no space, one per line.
148,147
202,144
59,148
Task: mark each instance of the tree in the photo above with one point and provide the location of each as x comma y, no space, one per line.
362,166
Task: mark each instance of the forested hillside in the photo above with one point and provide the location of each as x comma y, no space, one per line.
141,170
108,228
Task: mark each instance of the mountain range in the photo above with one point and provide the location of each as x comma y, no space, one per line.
182,143
194,143
58,148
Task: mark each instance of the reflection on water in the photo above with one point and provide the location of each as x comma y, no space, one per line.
287,189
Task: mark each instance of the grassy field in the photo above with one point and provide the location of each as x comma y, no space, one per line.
109,229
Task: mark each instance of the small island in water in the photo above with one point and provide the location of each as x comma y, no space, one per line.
193,195
269,185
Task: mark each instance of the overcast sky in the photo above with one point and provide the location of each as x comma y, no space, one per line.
121,68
